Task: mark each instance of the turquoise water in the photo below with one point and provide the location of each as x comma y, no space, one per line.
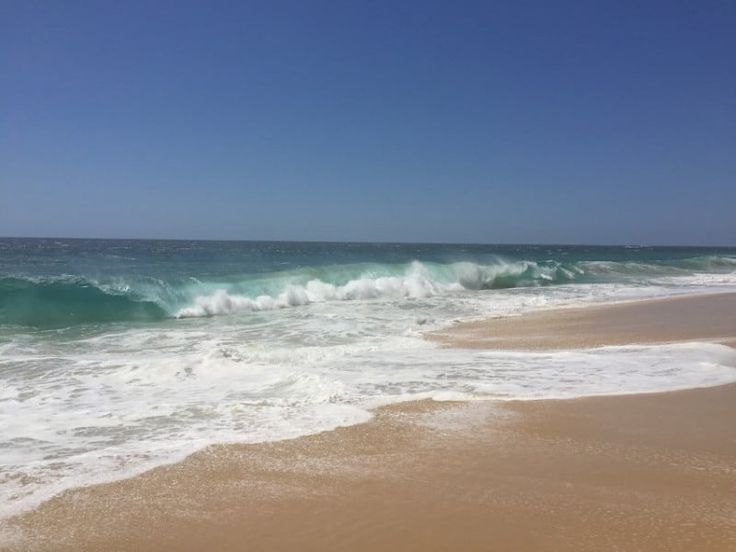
117,356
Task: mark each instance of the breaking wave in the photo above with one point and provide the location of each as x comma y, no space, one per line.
65,301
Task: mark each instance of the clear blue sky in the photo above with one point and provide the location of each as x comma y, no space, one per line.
574,122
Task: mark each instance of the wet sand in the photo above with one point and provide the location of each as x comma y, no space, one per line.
694,317
688,318
641,472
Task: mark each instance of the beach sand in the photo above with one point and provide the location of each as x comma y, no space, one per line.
639,472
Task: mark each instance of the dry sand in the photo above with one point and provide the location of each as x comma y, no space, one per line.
642,472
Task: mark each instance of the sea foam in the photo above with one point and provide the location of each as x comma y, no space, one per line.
110,410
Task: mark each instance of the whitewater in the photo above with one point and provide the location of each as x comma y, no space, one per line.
118,356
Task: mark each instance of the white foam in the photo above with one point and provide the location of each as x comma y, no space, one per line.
116,413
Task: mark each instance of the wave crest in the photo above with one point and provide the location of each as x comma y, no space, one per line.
416,283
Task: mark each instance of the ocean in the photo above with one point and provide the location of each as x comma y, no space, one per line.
117,356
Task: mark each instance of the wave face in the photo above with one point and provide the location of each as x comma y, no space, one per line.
48,302
64,302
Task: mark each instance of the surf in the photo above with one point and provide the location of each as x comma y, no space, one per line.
60,301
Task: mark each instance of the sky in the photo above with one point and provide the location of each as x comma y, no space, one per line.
491,122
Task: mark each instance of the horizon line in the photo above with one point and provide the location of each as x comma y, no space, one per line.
372,242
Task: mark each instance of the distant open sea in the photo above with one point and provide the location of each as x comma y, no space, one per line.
120,355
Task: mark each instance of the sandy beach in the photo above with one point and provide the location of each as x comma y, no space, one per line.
640,472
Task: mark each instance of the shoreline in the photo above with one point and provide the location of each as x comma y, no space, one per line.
639,472
237,496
